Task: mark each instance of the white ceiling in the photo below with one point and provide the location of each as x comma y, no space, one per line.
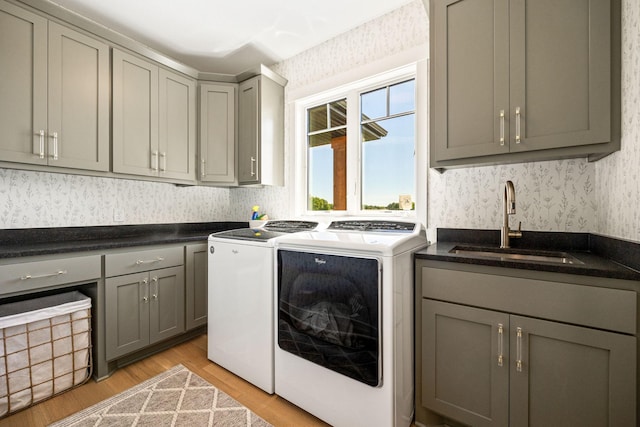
231,36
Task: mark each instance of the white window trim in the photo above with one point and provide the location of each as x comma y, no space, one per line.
417,71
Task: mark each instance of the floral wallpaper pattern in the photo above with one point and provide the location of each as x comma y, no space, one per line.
550,196
618,175
40,199
566,195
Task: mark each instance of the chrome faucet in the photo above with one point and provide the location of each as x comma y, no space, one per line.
508,208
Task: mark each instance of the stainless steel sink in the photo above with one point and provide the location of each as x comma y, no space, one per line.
555,257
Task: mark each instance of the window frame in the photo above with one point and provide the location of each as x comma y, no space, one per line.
352,92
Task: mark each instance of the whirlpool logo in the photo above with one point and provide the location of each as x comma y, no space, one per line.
320,261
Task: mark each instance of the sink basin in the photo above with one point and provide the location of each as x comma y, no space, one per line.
516,255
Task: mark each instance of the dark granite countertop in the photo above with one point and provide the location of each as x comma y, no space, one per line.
47,241
601,256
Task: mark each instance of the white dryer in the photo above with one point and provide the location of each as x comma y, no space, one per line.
344,321
240,299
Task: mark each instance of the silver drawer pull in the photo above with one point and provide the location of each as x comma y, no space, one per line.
500,344
163,156
55,146
57,273
518,125
149,261
502,127
41,153
519,349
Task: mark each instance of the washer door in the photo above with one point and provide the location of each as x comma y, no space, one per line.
329,312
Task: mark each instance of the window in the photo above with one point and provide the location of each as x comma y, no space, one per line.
360,149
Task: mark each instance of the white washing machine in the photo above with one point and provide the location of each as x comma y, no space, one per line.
344,321
240,299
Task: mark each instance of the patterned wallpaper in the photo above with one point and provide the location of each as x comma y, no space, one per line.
567,195
550,196
618,175
40,199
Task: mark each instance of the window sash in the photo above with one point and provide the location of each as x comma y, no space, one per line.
354,178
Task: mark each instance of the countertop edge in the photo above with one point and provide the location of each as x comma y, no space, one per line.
18,243
581,245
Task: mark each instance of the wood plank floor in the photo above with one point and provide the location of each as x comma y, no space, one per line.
193,355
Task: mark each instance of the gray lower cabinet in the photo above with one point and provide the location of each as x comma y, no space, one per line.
260,132
142,309
496,350
488,368
54,108
217,134
518,80
196,283
154,120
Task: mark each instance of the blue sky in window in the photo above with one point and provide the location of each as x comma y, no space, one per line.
388,165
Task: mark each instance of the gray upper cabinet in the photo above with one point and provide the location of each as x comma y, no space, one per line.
177,126
520,80
54,109
217,134
260,132
154,125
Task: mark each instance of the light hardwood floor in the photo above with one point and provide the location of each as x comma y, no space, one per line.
193,355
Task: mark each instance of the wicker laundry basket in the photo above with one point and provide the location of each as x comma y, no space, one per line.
45,348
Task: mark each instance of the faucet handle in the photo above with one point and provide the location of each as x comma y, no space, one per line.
516,234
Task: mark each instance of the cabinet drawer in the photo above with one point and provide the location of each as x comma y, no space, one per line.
117,264
605,308
27,276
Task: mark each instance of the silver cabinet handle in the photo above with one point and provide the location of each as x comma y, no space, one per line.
501,130
145,282
202,169
55,145
253,162
154,282
517,125
519,349
41,134
154,161
57,273
500,344
149,261
163,156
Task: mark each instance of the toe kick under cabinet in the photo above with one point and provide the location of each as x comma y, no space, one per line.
498,348
144,296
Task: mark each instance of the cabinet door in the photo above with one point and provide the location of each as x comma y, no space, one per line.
78,100
217,135
135,115
470,78
463,376
560,73
23,85
177,133
249,131
126,314
196,283
571,376
166,290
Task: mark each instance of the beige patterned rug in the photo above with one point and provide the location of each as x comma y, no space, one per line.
177,397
